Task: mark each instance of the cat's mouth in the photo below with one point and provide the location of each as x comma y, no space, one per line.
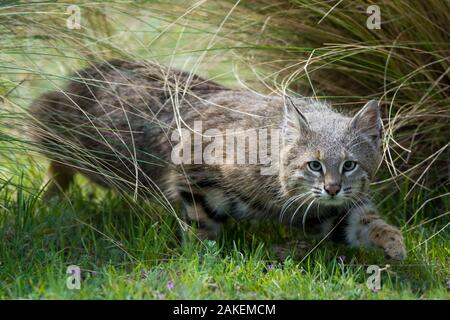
333,200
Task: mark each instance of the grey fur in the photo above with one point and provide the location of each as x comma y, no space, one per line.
114,124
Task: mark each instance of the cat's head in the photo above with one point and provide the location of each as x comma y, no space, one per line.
326,155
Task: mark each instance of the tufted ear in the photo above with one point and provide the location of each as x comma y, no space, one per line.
294,122
368,121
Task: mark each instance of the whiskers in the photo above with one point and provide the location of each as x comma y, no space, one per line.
357,199
347,190
306,201
291,201
305,215
306,198
316,191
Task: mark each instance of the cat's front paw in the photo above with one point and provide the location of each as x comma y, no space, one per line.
391,241
395,249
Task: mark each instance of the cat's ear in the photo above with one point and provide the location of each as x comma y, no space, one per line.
294,122
368,121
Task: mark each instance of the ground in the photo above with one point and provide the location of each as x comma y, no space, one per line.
128,253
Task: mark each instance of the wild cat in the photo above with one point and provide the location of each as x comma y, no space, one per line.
115,123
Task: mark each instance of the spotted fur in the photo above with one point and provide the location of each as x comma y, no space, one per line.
113,123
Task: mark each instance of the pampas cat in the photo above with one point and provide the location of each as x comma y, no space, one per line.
119,122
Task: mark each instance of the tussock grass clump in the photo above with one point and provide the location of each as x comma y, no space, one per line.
318,48
325,49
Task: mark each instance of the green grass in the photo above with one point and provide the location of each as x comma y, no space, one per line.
133,250
126,253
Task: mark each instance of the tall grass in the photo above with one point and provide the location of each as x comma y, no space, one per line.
325,49
319,48
314,48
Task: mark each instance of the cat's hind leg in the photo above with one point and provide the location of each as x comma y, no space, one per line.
59,178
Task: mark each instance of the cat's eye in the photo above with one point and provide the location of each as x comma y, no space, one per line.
315,165
349,166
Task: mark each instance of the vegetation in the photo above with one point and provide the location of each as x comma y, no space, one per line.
320,48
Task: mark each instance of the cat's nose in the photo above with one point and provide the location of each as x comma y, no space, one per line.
332,189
